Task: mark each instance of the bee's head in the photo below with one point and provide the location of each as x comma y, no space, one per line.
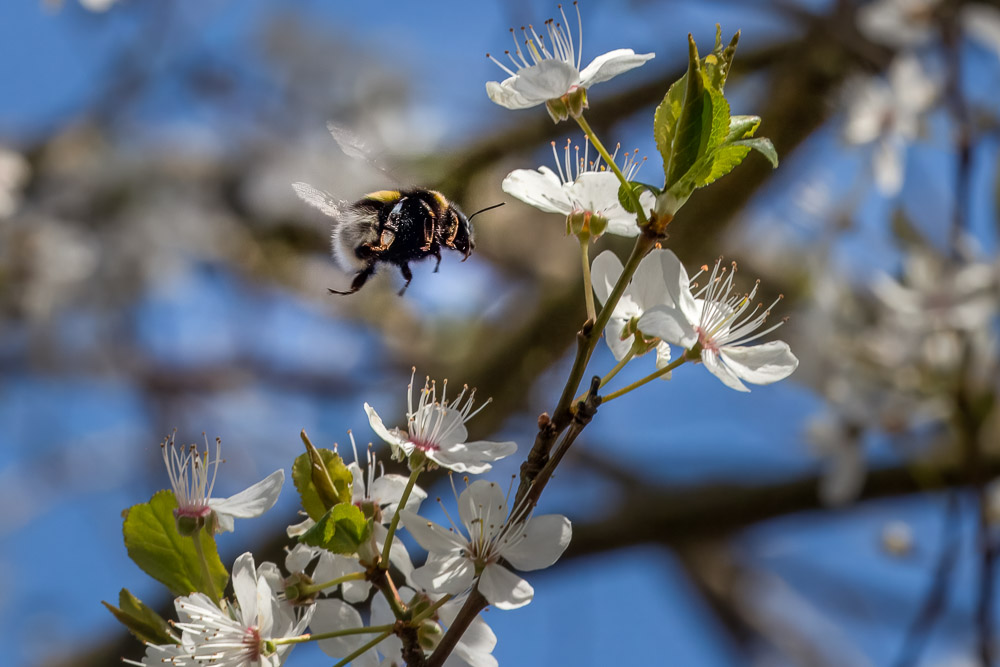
463,242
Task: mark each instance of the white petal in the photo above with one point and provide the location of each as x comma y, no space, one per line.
604,273
547,80
252,501
543,540
721,371
245,587
463,655
663,358
649,283
479,637
611,64
388,489
668,324
429,535
333,566
761,364
332,614
503,589
472,457
381,431
679,287
505,96
486,500
542,189
612,335
265,600
452,574
299,557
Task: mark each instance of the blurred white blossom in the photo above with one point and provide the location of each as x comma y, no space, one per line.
887,113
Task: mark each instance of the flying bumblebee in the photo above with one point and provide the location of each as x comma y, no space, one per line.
393,226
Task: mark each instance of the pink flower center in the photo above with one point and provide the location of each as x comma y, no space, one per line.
706,341
425,445
193,511
252,642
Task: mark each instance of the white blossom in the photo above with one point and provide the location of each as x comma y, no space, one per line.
542,72
887,113
580,186
898,23
717,322
14,174
455,560
474,649
648,288
437,429
237,635
192,477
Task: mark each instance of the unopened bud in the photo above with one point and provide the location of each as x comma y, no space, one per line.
429,635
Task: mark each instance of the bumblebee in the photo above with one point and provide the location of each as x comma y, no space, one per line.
393,226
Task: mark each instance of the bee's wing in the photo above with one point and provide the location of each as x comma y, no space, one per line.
323,201
353,146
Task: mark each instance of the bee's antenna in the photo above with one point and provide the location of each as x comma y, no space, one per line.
488,208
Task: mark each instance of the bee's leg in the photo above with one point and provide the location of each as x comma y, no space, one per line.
450,230
430,227
407,274
385,240
359,280
437,254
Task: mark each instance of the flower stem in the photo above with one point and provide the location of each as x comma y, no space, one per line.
649,378
611,374
592,136
206,575
588,290
330,635
427,613
370,645
384,563
317,588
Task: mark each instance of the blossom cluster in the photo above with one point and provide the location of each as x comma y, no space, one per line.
349,583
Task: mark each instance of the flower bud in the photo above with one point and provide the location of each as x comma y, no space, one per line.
429,635
585,225
295,586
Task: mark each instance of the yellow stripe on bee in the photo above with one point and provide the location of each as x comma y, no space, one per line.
383,195
440,198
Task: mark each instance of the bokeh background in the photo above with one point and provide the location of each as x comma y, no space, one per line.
157,272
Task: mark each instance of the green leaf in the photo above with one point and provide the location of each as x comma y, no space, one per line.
154,544
322,480
141,621
718,63
763,146
742,127
637,189
341,530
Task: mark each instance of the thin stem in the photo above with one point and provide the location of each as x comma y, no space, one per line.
585,126
588,290
206,575
649,378
427,613
301,639
611,374
370,645
384,563
317,588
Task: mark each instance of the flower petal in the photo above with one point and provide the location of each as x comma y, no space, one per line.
381,431
663,358
547,80
604,273
332,614
429,535
611,64
542,189
649,283
679,287
503,589
761,364
504,95
452,574
539,543
388,489
245,587
721,371
613,337
252,501
668,324
472,457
